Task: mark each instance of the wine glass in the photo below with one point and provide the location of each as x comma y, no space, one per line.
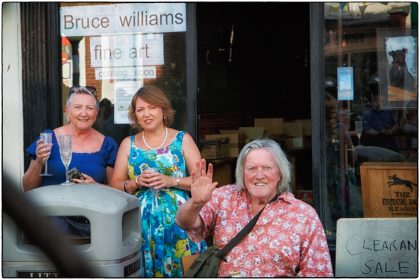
65,154
47,139
144,167
358,127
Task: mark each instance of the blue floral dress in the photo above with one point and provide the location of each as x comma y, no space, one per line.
163,242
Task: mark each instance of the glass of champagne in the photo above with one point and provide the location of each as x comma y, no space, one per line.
144,167
47,139
65,154
358,127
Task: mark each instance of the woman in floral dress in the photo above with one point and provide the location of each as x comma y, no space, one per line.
154,165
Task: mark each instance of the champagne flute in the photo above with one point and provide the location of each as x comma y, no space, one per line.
47,139
65,154
358,127
144,167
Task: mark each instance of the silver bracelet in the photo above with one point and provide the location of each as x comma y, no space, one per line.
125,186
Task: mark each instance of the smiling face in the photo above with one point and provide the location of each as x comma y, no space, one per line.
148,116
261,175
82,110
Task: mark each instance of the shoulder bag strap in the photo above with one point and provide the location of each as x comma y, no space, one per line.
244,231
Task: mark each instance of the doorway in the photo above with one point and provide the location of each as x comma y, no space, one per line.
254,52
253,62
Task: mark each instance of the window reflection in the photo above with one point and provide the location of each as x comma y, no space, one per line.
366,128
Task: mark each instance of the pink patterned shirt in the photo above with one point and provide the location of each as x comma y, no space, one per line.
288,239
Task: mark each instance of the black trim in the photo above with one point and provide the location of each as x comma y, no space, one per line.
319,176
319,153
41,69
191,42
54,65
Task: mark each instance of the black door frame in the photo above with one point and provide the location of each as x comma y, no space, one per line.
191,76
319,153
319,176
41,69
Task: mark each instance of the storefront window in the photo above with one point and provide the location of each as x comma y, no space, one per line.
370,68
118,48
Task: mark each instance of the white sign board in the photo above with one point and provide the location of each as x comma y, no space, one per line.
122,18
124,92
377,247
126,50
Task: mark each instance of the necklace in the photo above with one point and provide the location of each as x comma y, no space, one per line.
160,146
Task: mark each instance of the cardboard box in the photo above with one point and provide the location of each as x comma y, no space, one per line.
212,149
236,141
241,134
252,132
294,129
291,143
307,126
235,136
222,173
272,126
235,149
294,143
233,131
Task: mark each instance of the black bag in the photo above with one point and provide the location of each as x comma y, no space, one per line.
206,265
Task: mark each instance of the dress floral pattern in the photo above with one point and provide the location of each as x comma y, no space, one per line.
288,239
163,242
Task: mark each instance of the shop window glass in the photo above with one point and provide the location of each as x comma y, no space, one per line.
370,68
119,47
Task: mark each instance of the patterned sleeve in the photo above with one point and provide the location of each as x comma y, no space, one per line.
111,149
315,256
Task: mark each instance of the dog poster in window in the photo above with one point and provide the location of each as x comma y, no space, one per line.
398,68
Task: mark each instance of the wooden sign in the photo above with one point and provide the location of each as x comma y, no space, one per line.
389,189
377,247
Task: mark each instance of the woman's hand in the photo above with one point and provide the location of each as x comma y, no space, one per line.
202,186
87,180
42,151
153,179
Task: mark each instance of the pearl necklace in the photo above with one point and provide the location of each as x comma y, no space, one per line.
160,146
